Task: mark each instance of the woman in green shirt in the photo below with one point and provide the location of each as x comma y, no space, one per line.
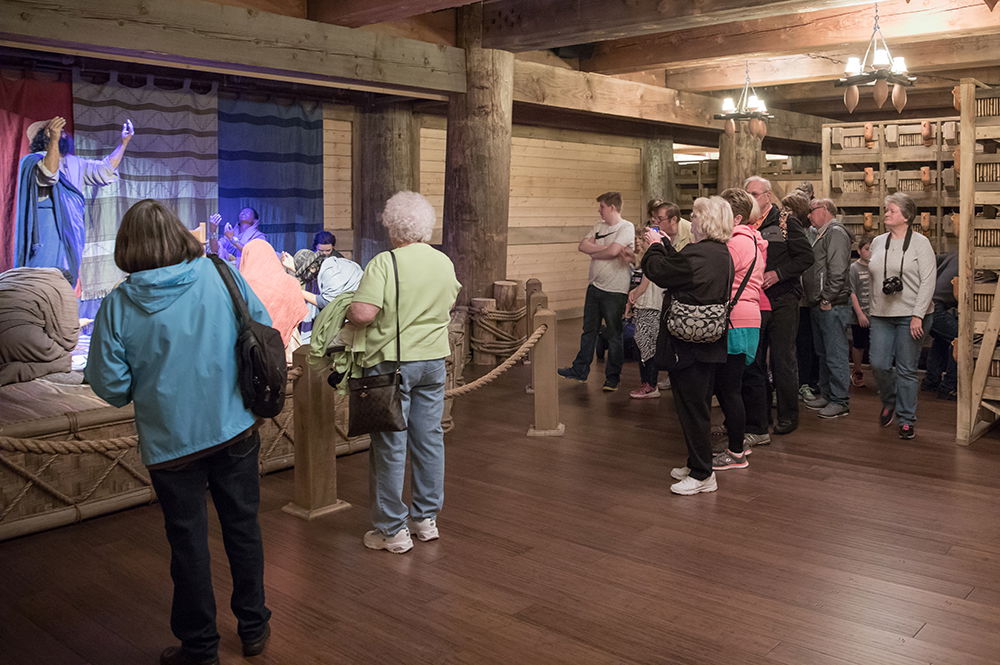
427,291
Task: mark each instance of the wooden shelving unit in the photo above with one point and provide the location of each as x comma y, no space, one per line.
694,179
979,248
865,162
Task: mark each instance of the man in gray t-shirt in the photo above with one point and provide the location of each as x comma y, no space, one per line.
610,246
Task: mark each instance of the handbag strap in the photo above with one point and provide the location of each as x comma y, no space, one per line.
746,278
395,275
239,305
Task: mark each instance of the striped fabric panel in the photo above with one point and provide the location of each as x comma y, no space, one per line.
271,159
173,158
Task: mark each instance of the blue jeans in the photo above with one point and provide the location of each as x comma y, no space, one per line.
942,370
607,307
232,477
829,333
423,406
894,358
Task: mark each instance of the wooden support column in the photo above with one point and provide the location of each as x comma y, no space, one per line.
477,163
740,157
543,379
658,170
387,136
967,408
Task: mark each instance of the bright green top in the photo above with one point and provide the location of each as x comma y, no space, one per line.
428,289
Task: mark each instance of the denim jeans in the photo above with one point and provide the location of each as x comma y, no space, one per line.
423,406
942,370
233,479
894,358
608,307
829,332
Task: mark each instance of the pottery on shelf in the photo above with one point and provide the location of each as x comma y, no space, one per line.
869,221
926,133
869,177
925,176
925,221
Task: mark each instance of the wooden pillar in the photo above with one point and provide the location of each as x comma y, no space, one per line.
966,407
658,170
315,480
477,163
386,145
543,380
740,157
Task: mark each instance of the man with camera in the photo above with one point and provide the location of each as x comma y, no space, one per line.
828,291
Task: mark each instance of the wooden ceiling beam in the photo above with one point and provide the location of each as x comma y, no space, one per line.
355,13
901,21
977,51
523,25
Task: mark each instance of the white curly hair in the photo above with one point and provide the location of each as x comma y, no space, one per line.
408,217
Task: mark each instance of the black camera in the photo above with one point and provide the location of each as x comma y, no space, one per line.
891,285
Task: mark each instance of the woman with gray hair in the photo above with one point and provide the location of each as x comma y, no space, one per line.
420,300
700,274
903,273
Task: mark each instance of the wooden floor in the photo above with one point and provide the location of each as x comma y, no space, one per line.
841,544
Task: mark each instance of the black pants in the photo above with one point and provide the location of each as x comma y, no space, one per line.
692,389
777,341
755,387
728,388
602,306
807,358
231,475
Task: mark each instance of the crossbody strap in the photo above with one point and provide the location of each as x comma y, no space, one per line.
239,305
395,275
745,280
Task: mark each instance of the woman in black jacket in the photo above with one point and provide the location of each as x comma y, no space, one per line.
700,274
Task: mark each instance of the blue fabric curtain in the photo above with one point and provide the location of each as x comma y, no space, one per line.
271,159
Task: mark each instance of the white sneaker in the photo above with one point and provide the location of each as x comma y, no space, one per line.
690,485
680,473
397,544
663,384
425,529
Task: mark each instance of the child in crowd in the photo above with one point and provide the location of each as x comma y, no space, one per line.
644,303
860,303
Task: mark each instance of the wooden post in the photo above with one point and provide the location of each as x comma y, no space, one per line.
315,493
531,286
478,306
385,167
537,300
658,170
740,157
505,292
966,411
543,378
477,163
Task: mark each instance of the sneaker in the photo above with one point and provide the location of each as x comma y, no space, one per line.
907,432
680,472
609,387
786,427
691,485
425,529
750,440
663,384
397,544
806,393
568,373
719,430
858,379
256,647
645,391
885,416
816,404
727,459
834,410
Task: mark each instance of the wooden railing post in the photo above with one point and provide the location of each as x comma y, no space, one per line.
543,378
535,300
315,492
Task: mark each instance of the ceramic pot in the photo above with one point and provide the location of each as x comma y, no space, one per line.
925,176
730,127
869,177
926,133
925,221
869,221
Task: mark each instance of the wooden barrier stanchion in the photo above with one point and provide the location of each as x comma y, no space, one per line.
537,300
543,378
479,306
315,493
531,286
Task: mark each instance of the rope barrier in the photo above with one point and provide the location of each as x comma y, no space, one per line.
494,373
505,342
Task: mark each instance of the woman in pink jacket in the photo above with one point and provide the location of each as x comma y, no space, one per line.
749,253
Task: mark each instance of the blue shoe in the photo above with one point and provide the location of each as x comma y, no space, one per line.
568,373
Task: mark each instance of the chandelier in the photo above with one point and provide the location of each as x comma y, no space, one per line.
877,68
749,107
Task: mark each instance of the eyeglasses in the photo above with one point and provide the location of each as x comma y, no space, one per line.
756,193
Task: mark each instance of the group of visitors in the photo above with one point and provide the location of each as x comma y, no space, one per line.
774,268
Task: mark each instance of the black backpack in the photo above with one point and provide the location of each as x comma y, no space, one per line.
260,355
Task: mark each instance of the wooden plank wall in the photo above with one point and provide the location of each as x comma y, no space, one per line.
338,208
555,177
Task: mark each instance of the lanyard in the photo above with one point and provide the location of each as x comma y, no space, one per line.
906,245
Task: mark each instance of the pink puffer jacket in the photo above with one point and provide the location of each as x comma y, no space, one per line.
747,241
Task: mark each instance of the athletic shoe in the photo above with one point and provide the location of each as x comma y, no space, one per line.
645,391
397,544
816,404
786,427
680,472
886,415
609,387
691,485
719,430
727,459
568,373
256,647
907,432
425,529
858,379
833,410
806,393
756,440
663,384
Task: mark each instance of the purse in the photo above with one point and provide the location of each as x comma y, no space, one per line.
375,402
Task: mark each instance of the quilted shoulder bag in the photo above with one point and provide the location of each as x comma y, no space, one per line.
375,402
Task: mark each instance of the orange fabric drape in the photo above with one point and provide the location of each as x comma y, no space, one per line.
279,291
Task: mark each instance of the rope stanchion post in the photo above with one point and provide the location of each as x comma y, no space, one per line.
543,379
315,480
536,300
480,307
531,286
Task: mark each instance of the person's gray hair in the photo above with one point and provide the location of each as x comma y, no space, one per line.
905,204
757,178
408,217
828,204
712,218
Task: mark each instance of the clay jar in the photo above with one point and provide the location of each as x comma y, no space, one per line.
926,133
869,135
955,223
869,221
869,177
925,221
925,176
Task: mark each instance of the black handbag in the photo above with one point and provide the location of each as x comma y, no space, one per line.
375,402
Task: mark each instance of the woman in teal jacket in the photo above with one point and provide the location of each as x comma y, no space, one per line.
165,339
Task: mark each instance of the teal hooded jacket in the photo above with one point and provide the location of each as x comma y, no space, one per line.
166,340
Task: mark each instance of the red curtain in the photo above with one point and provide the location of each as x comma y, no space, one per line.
22,102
